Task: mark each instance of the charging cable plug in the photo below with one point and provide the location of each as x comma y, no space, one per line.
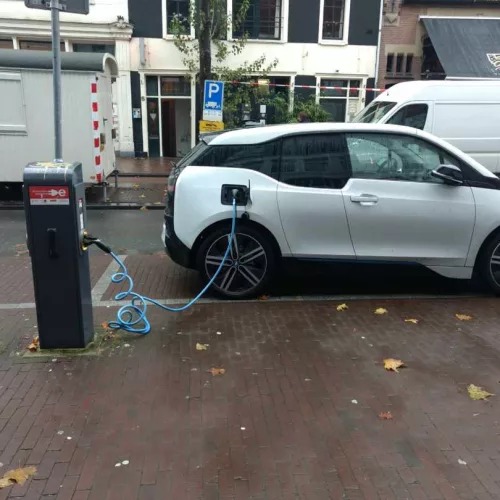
88,240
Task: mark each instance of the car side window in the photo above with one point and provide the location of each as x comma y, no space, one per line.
413,115
395,157
262,158
315,160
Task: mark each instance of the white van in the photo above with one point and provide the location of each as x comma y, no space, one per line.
463,113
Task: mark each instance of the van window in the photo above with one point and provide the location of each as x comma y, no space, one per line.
413,115
374,112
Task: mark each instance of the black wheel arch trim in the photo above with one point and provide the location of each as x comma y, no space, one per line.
240,222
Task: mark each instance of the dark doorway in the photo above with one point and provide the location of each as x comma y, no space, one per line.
169,132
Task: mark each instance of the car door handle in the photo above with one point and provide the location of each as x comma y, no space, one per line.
365,199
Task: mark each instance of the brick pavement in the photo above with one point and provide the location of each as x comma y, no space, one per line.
295,416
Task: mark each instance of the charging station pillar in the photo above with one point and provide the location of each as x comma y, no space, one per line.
54,203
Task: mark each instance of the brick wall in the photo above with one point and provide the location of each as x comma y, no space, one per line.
402,32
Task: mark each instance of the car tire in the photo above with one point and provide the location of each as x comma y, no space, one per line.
249,268
489,265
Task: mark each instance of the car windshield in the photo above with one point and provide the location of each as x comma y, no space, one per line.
194,153
374,112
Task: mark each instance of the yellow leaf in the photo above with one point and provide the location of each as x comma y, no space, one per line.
201,347
17,476
393,364
412,320
142,196
380,311
144,209
217,371
463,317
385,415
478,393
342,307
136,186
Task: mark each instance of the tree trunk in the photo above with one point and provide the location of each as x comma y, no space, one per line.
205,46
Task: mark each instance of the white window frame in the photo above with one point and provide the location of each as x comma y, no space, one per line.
345,31
144,108
284,25
347,98
164,15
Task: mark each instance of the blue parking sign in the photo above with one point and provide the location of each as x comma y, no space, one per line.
213,101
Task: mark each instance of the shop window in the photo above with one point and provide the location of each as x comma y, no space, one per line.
399,63
333,19
390,64
6,43
94,48
38,45
340,98
409,64
175,86
262,20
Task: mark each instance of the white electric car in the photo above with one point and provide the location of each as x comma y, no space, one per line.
326,191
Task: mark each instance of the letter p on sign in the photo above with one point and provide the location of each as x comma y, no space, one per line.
213,88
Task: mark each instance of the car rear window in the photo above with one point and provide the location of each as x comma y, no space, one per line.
262,157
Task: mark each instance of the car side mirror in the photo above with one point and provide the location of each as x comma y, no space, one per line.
449,174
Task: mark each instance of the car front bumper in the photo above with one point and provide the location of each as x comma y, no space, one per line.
174,247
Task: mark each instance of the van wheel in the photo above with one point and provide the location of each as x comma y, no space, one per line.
489,265
249,267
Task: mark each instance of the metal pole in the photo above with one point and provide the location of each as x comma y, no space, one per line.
56,77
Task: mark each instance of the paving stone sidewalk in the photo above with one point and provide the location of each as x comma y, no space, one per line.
294,416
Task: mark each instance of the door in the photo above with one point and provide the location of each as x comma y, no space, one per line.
169,130
108,156
314,169
397,211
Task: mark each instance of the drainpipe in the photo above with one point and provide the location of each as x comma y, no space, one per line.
380,24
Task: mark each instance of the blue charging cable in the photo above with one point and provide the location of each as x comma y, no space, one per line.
132,317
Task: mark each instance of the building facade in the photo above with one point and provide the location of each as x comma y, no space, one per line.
438,39
317,43
105,29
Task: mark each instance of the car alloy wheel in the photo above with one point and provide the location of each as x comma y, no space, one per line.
495,265
245,268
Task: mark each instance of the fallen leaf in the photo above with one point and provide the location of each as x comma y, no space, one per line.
136,186
385,415
380,311
478,393
104,325
412,320
17,476
157,203
462,462
393,364
264,297
342,307
463,317
217,371
144,209
35,343
201,347
142,196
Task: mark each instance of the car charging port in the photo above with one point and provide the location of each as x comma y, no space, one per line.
237,192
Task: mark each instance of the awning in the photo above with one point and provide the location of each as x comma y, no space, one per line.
466,48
